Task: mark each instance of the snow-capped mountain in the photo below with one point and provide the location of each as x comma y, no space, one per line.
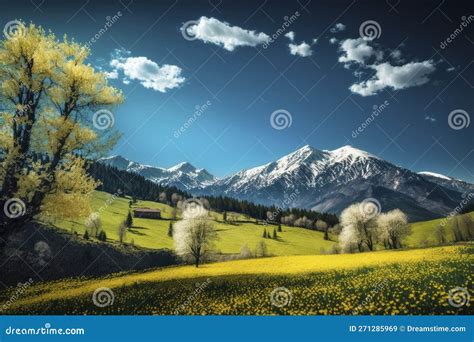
448,182
318,179
183,176
332,180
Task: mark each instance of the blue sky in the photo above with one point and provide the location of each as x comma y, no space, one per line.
236,77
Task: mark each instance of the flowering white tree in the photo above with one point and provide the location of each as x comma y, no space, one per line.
359,228
194,235
393,227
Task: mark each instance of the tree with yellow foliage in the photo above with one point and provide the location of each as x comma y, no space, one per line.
48,97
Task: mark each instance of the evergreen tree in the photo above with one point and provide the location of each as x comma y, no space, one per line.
264,233
261,249
326,233
224,217
137,187
275,236
129,220
170,229
86,235
102,236
279,228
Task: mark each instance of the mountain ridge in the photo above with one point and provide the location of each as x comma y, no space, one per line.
324,180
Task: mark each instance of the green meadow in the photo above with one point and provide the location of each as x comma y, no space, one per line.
151,233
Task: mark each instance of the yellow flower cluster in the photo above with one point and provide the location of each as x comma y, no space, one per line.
382,283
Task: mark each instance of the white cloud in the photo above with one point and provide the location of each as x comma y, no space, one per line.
302,50
333,40
211,30
358,50
146,71
112,75
397,56
290,35
396,77
338,28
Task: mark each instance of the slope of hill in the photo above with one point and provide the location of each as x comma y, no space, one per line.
232,236
44,253
399,282
423,233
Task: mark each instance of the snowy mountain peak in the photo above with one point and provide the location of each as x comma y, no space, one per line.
183,175
116,161
349,152
184,167
327,180
306,153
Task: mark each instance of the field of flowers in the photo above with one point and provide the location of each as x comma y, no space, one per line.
385,283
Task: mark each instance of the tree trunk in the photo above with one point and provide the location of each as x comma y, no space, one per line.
197,261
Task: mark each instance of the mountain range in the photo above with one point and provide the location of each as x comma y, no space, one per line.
321,180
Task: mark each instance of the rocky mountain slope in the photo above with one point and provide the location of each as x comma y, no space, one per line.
321,180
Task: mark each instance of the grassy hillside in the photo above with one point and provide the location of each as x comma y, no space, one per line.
292,241
398,282
422,232
154,233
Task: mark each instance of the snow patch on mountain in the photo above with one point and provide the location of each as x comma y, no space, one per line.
433,174
183,175
328,180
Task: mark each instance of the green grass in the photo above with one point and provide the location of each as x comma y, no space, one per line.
151,233
422,232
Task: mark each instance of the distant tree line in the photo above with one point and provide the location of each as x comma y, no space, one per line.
137,186
272,214
130,184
